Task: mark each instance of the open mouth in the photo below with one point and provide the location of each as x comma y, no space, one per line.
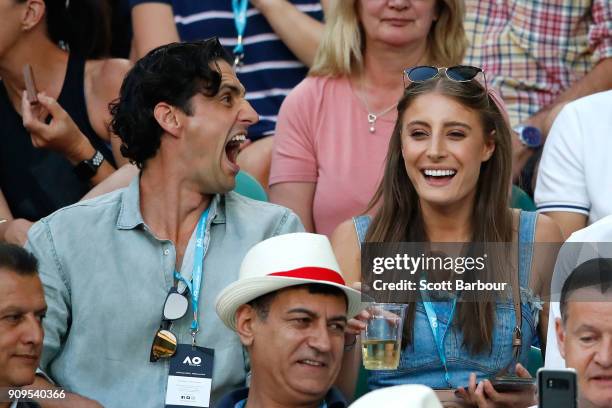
438,176
232,147
312,363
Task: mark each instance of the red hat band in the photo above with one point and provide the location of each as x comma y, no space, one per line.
313,273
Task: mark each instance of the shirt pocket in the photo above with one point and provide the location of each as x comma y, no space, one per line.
488,362
423,352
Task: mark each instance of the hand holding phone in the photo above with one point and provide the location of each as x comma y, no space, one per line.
521,392
508,384
52,128
30,84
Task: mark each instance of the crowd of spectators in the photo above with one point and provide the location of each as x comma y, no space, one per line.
364,121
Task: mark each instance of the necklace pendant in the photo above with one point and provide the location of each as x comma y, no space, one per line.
372,121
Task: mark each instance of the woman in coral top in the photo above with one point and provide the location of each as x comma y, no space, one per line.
334,128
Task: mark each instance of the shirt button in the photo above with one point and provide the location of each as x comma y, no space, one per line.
166,252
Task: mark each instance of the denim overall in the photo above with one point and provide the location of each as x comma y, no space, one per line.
420,362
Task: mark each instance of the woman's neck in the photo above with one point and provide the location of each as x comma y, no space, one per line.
48,63
381,79
452,223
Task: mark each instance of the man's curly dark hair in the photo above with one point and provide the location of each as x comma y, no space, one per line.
171,73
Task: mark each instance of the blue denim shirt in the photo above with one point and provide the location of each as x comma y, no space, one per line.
420,362
106,277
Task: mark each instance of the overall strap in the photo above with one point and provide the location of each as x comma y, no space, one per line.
525,251
527,224
362,223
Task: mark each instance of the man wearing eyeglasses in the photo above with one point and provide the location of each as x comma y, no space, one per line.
22,308
289,308
131,276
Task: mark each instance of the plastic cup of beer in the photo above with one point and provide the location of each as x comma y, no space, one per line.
382,338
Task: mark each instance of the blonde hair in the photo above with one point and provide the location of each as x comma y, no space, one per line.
341,49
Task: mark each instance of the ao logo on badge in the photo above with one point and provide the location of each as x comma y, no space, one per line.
194,362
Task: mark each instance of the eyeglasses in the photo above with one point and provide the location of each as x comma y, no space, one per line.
457,73
165,342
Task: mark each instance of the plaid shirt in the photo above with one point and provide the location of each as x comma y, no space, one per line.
533,50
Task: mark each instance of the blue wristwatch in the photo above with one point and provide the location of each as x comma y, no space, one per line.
530,136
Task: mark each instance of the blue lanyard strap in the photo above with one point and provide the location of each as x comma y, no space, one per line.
240,21
196,275
438,335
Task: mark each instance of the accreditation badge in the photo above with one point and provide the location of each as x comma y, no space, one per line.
190,377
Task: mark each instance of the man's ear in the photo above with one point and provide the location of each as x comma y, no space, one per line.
489,147
168,117
245,319
560,336
33,14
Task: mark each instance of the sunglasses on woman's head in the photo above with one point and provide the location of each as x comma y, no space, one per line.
165,342
457,73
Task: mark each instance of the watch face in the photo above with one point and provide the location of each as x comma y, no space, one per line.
86,169
531,136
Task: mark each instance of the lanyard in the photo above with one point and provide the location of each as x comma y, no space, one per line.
432,318
196,274
240,21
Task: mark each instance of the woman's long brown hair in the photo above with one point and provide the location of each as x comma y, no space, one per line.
399,217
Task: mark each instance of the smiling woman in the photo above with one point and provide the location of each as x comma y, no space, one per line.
447,179
443,155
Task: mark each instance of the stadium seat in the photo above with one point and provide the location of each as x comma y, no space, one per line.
535,361
249,187
521,200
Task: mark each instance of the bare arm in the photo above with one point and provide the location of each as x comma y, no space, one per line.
569,222
5,211
153,25
103,79
119,179
13,231
300,32
598,80
297,197
548,236
348,253
61,134
347,249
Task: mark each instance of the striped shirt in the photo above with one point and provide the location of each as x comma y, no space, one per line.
533,50
270,69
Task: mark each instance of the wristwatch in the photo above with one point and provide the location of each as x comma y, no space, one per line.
86,169
530,136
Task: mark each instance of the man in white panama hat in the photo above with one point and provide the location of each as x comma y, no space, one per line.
289,308
399,396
